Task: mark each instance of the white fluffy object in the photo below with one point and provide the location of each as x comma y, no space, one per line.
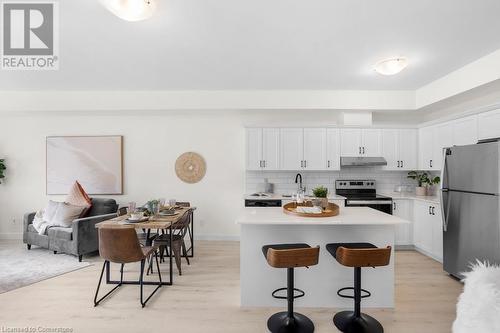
478,308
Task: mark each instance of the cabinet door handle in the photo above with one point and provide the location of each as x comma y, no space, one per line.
430,163
264,163
305,163
260,163
393,206
433,213
301,164
359,150
328,164
398,164
430,210
363,150
402,164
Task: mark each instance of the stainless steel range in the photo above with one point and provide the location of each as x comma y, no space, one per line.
363,193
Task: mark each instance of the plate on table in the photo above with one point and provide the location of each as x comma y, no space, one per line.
168,213
129,220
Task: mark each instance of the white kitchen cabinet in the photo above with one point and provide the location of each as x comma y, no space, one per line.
333,149
465,131
262,148
292,148
427,229
350,142
371,142
270,148
432,140
437,232
254,148
315,145
399,148
488,125
303,149
403,208
422,226
443,139
360,142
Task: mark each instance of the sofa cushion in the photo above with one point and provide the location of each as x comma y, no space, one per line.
102,206
61,233
78,197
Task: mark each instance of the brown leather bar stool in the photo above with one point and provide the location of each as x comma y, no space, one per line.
120,245
290,256
358,255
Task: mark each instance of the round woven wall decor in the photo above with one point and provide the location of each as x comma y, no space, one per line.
190,167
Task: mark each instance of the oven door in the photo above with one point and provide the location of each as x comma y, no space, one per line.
381,205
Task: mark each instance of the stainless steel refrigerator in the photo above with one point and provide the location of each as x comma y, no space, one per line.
470,202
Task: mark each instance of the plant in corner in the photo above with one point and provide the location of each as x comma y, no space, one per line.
2,168
321,193
430,182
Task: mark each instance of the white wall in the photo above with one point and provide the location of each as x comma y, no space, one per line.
152,142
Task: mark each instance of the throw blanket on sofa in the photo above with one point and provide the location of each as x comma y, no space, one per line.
478,308
39,223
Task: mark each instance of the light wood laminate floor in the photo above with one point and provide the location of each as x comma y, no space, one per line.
206,299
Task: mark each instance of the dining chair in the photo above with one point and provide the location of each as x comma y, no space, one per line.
121,246
178,246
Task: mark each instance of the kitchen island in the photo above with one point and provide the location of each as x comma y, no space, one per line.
262,226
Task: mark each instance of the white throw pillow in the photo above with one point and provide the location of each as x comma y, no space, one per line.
50,210
65,214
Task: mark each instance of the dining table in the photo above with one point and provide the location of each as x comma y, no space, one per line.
158,222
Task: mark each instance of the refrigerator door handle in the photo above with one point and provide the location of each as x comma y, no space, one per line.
444,207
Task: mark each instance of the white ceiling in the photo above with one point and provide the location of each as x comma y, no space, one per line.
265,44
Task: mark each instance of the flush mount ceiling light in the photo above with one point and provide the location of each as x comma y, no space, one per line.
131,10
391,66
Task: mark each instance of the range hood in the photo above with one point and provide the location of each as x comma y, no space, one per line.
349,162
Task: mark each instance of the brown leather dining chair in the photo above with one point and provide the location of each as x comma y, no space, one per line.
121,246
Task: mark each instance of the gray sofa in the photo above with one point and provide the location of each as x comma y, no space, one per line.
79,239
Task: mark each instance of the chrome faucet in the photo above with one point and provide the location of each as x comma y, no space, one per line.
298,180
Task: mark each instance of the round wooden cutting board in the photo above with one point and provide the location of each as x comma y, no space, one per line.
190,167
291,208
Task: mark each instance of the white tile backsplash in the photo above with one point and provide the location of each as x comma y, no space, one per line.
284,181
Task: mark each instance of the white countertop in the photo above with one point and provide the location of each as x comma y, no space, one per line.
347,216
411,196
275,196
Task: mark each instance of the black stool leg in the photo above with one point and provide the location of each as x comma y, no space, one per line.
355,321
289,321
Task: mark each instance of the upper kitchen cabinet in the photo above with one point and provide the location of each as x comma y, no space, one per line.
315,148
303,149
488,125
399,148
333,149
465,131
292,148
360,142
432,140
262,148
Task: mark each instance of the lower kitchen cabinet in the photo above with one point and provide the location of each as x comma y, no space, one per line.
403,208
427,229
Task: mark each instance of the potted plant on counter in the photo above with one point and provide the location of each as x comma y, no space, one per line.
321,193
422,179
425,182
431,182
2,169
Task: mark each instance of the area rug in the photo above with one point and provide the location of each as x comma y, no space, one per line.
20,267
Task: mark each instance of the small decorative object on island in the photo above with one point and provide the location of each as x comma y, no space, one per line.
2,168
307,210
190,167
424,180
321,194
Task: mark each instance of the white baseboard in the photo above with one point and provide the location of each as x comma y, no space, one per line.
217,237
11,236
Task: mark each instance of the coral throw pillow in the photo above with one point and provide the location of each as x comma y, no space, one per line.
78,197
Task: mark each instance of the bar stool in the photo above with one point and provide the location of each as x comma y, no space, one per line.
358,255
290,256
